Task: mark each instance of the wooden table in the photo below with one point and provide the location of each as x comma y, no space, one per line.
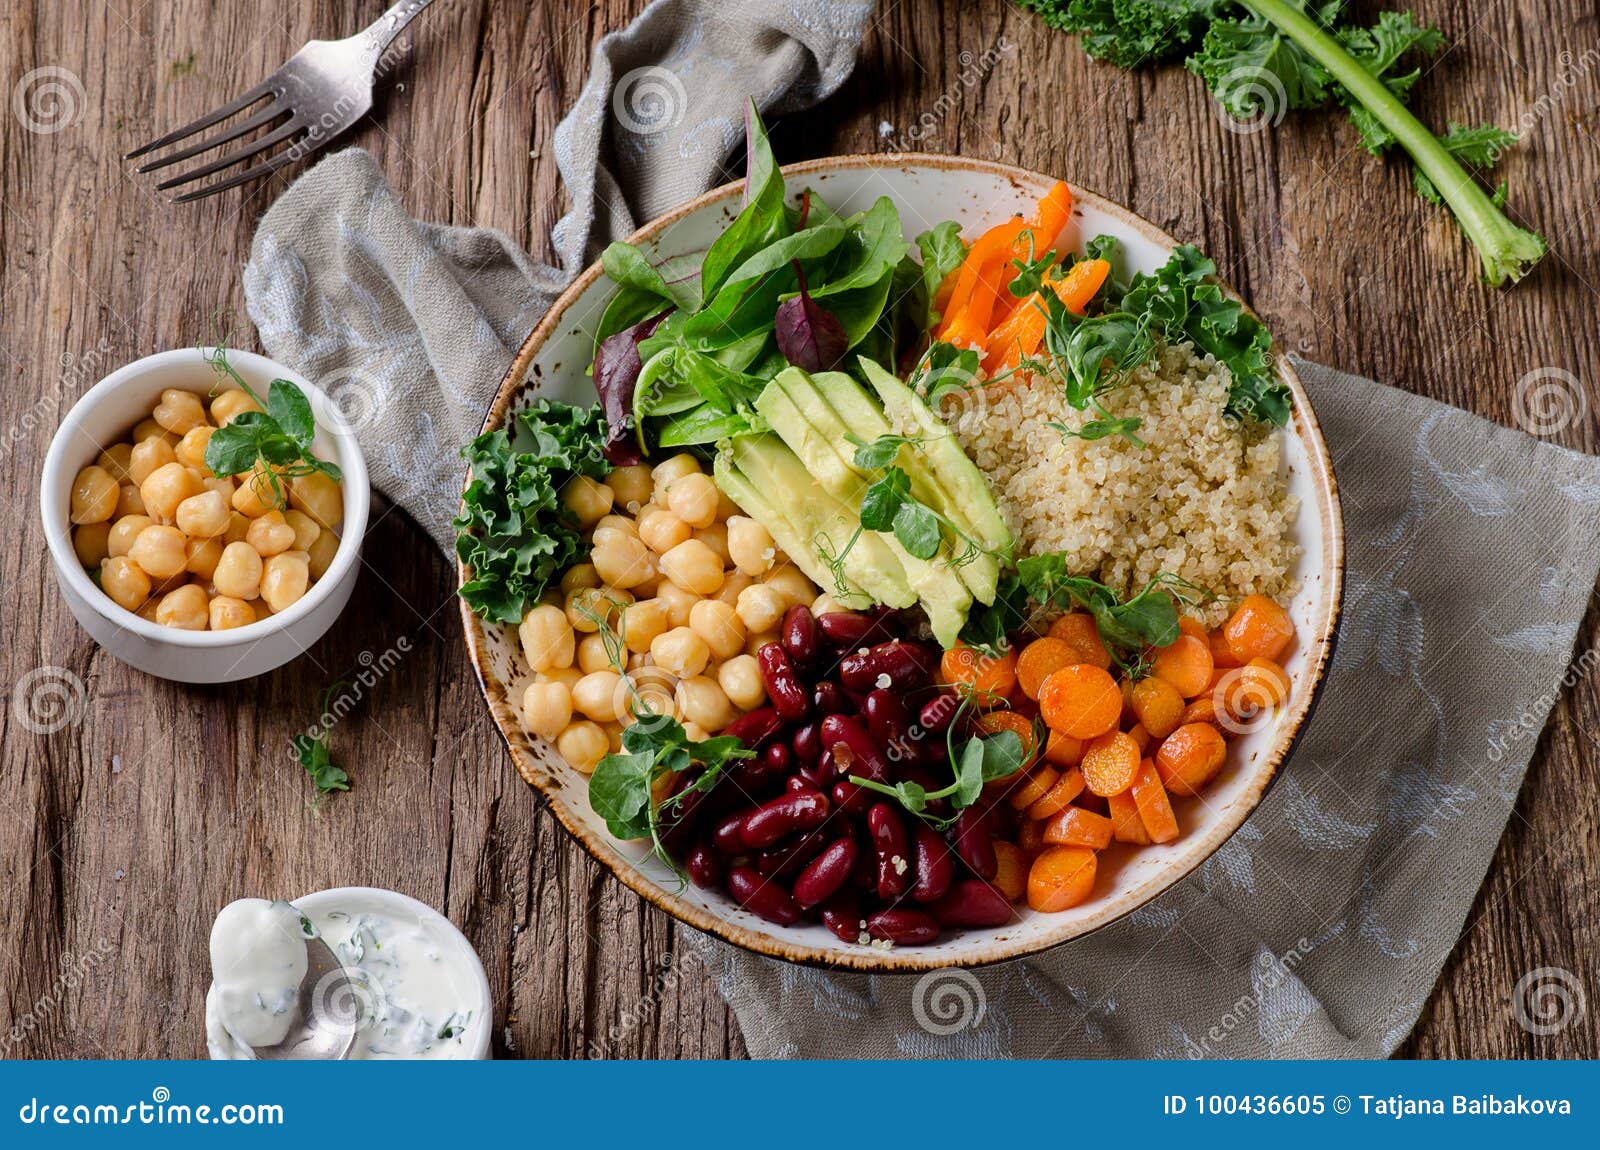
122,833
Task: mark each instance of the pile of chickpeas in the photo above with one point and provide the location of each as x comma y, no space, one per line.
182,547
678,593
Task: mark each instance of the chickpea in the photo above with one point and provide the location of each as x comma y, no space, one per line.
593,655
613,732
761,607
546,708
693,499
284,579
759,639
91,541
124,531
726,508
149,455
588,500
733,583
203,516
665,473
750,546
306,529
238,572
223,486
638,660
567,676
583,745
167,486
319,497
678,602
716,538
694,567
719,625
642,622
179,411
547,638
159,551
630,486
649,588
150,429
191,449
578,576
129,502
255,494
701,701
115,459
226,613
661,530
792,583
121,578
321,553
740,680
589,607
825,604
270,534
680,651
94,495
620,559
695,733
238,528
229,405
147,610
202,557
186,608
599,695
161,587
622,523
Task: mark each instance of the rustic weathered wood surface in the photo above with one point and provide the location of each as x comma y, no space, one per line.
121,834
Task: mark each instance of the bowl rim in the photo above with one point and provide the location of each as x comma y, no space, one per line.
54,480
1319,648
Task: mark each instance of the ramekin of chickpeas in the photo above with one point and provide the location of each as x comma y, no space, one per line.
204,510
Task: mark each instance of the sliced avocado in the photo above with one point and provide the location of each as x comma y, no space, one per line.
861,413
959,476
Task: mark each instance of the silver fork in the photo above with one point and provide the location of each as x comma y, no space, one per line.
322,89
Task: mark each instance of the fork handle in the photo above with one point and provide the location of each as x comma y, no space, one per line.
381,32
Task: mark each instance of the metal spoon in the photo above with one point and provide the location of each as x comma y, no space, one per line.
327,1012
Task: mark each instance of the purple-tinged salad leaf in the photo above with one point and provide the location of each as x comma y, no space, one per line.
809,335
616,371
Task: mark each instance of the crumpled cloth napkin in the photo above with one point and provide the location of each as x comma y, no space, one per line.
1319,929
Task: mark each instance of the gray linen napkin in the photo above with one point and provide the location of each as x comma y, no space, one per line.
1320,927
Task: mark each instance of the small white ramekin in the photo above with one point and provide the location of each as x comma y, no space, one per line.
103,417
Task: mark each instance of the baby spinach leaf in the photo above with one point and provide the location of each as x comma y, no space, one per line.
762,219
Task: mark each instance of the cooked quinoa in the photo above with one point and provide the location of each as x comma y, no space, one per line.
1205,499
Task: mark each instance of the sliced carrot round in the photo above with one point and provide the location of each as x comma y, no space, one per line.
1066,788
1076,827
996,721
1158,704
1061,877
1040,659
1188,758
1011,870
978,671
1185,663
1078,629
1110,763
1063,750
1080,700
1258,629
1028,789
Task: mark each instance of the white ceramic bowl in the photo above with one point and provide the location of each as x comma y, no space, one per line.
926,189
103,417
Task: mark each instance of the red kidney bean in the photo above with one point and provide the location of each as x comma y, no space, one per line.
704,867
903,926
906,666
755,728
797,782
728,836
762,896
783,686
842,914
826,874
828,698
796,811
679,816
864,758
972,902
807,742
893,846
939,712
801,642
932,863
887,718
850,798
973,843
846,628
819,776
785,860
777,759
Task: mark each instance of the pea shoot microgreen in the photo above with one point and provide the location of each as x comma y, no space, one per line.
982,759
278,436
311,751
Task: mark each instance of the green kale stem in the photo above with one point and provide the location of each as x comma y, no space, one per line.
1508,252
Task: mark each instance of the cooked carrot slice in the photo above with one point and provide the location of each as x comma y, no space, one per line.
1078,628
1258,629
978,671
1030,838
1063,750
1032,787
1040,659
1068,787
1158,705
1221,654
989,254
1076,827
996,721
1081,701
1140,736
1189,625
1110,763
1011,873
1054,211
1185,663
1126,825
1187,759
1201,710
1060,878
1155,810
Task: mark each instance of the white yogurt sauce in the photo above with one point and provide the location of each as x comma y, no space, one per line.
418,992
